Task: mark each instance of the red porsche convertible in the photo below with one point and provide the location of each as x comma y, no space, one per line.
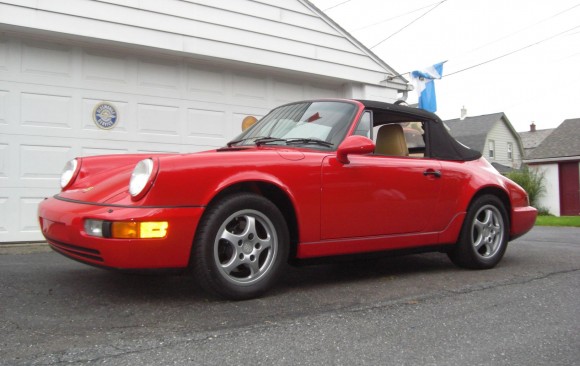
311,179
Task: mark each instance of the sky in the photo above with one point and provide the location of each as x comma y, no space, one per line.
535,76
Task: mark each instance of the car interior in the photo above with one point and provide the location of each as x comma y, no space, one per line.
393,135
390,140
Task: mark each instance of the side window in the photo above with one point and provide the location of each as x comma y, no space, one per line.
364,125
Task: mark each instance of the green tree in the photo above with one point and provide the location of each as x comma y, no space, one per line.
532,180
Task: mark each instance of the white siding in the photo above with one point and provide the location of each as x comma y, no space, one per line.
550,199
282,34
502,135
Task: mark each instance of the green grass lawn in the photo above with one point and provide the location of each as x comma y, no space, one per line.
558,221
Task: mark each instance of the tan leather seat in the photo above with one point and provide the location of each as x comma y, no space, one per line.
391,141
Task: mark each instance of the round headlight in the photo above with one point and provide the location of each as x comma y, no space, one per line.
140,178
69,173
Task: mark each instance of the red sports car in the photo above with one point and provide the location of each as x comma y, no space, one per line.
311,179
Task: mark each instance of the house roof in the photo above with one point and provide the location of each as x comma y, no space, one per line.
563,142
473,131
532,139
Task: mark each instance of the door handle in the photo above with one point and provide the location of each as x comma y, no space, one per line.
435,173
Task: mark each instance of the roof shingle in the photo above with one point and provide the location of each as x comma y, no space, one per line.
564,141
533,139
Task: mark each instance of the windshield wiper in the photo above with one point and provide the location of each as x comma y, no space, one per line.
261,140
298,140
229,144
267,140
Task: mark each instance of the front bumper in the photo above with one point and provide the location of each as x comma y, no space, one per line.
62,225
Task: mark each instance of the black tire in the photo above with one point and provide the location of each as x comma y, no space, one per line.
484,235
240,247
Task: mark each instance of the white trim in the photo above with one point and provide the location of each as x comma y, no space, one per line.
555,159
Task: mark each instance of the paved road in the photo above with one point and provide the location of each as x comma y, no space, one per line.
415,310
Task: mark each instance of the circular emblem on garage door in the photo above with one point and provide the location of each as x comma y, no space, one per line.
105,115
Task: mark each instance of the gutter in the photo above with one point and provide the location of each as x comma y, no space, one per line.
399,84
555,159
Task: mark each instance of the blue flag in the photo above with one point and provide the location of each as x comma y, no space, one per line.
426,87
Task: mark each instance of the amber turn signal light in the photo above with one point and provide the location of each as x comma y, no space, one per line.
139,230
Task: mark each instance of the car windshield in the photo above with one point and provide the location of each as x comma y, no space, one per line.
318,125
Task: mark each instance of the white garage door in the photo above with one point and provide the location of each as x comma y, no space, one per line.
48,92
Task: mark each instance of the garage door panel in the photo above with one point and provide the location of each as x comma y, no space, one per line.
28,221
4,103
18,213
5,221
164,75
287,92
4,161
160,122
249,90
206,84
206,126
47,59
46,111
32,164
105,68
38,162
36,107
23,168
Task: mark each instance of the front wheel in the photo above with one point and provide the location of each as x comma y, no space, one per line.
484,236
240,247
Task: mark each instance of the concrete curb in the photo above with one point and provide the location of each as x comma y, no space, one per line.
24,248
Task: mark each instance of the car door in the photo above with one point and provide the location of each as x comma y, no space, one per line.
378,195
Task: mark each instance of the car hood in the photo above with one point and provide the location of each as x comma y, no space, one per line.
105,179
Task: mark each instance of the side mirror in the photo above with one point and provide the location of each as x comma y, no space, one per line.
248,122
354,145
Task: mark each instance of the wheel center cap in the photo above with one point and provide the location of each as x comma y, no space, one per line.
247,248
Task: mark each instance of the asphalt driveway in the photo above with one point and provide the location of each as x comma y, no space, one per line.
413,310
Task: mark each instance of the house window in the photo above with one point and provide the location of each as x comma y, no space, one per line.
491,145
510,151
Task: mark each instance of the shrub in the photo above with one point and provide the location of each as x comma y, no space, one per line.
543,211
532,180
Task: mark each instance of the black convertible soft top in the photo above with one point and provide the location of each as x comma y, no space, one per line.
439,143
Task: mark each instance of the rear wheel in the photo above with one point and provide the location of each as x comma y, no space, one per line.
240,247
484,236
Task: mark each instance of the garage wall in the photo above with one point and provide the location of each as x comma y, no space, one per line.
49,88
551,198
